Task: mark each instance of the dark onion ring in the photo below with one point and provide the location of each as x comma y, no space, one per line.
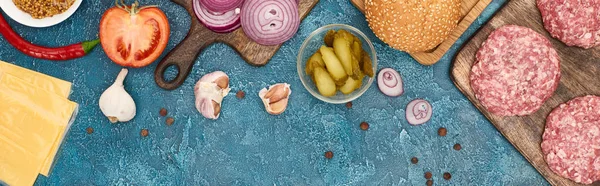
217,22
221,5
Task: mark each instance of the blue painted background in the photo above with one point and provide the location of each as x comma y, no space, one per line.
246,146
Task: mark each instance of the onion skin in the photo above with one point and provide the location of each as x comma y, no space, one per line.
390,82
270,22
221,5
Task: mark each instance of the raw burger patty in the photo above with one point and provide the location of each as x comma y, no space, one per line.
515,72
571,141
574,22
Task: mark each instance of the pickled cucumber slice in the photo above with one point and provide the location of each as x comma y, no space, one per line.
341,46
357,50
333,64
328,39
349,87
355,68
367,64
324,82
316,60
361,77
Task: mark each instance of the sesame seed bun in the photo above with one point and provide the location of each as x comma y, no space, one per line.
412,25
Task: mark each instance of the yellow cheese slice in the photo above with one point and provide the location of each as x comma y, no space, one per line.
52,84
34,118
49,83
22,162
18,165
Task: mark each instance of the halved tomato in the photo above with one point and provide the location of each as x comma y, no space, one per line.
134,37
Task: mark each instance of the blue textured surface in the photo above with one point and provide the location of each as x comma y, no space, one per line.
246,146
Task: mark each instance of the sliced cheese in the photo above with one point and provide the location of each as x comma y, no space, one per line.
18,165
52,84
33,119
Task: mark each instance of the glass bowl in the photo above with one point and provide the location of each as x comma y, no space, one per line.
313,43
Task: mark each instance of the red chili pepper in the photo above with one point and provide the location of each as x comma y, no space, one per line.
36,51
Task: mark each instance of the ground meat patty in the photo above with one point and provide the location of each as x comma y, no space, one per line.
574,22
515,72
571,141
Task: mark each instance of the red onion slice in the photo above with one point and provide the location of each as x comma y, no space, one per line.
390,82
418,112
221,5
217,22
270,22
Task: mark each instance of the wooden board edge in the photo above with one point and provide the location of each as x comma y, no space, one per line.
487,116
431,58
277,48
468,39
302,17
359,5
474,102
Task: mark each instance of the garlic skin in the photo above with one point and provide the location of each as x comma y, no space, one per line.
276,98
116,103
210,91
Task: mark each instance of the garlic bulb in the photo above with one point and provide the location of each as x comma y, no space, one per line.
116,103
210,91
276,98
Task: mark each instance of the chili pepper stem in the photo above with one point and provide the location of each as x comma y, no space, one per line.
88,46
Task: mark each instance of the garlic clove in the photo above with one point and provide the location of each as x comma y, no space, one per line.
277,93
222,82
275,98
220,78
115,103
213,76
278,107
210,91
272,90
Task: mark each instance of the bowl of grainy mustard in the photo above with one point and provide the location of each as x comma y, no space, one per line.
39,13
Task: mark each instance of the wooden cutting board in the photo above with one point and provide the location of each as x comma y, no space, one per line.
199,37
471,9
579,70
